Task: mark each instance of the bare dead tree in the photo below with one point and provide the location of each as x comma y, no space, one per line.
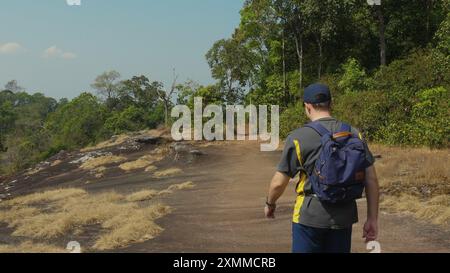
166,95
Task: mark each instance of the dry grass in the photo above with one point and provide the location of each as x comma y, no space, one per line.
14,215
106,144
159,132
63,216
54,214
120,139
167,172
56,163
142,195
124,219
436,210
205,144
182,186
415,181
30,247
47,196
141,162
101,161
99,172
34,171
172,188
420,172
139,227
145,195
134,165
150,169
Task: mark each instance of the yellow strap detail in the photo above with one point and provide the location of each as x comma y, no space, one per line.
299,200
297,149
300,187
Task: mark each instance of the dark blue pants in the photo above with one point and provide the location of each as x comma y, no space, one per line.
320,240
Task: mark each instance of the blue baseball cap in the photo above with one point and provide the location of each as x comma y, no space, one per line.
317,93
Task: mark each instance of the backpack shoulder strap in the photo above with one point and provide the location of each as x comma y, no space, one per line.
319,128
345,127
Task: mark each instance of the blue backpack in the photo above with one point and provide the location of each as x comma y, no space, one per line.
339,171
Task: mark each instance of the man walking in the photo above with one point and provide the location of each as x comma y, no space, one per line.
335,166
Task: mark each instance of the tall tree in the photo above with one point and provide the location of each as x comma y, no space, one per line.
107,84
230,64
322,21
297,24
379,17
13,86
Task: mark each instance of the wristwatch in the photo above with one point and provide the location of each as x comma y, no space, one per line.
271,206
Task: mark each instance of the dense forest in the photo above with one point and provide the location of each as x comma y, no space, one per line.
388,67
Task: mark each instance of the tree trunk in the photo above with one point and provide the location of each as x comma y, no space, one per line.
284,68
230,95
299,48
319,66
298,28
382,29
166,113
429,7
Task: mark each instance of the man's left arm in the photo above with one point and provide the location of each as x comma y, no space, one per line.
370,230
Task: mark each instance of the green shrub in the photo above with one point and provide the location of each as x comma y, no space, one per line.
353,78
77,123
430,120
407,76
21,154
364,110
156,117
51,152
130,119
291,119
427,126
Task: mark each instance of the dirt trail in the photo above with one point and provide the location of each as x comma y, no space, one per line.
224,212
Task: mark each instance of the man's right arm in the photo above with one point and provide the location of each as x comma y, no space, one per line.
287,168
277,187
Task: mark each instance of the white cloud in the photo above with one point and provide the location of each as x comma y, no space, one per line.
55,52
10,48
73,2
68,55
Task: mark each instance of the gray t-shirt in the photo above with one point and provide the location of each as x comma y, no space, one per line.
309,210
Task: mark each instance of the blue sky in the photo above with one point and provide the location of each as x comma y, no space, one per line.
51,47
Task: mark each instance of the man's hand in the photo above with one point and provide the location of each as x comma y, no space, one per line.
370,230
269,212
277,187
